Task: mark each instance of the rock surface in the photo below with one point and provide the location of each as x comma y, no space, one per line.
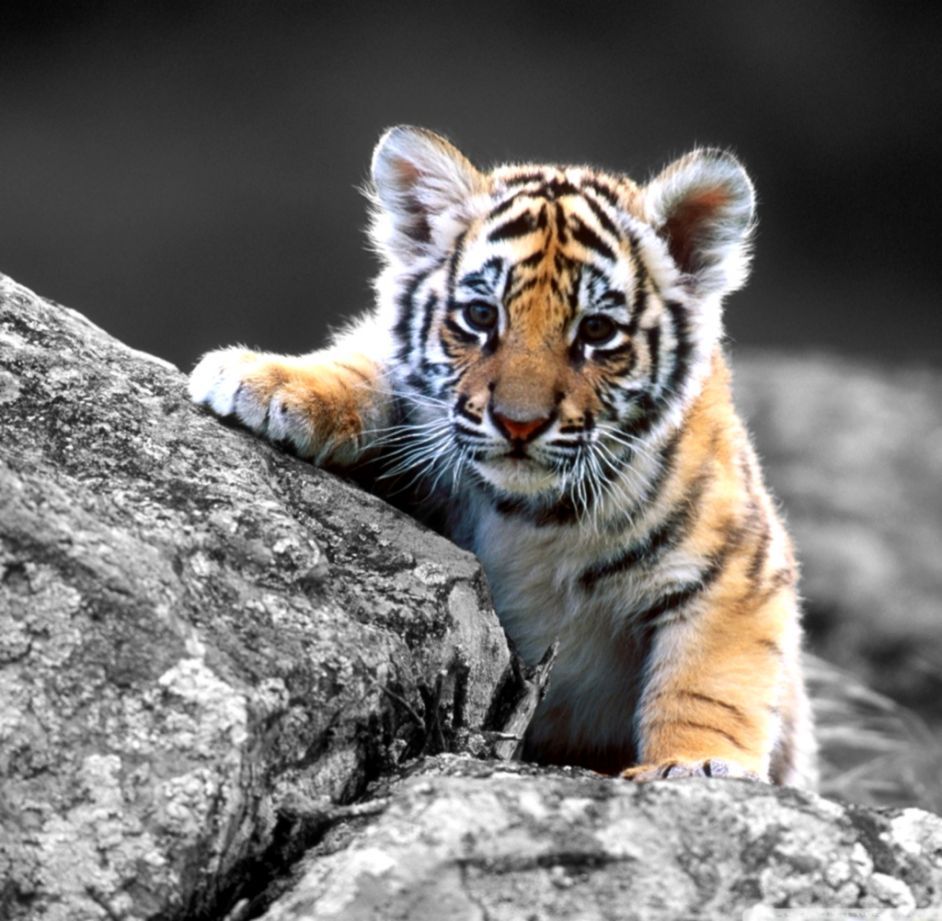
205,644
210,652
467,841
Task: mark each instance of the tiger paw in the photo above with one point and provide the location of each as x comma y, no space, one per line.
311,407
676,770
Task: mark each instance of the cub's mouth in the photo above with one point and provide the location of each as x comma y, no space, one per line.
518,471
519,451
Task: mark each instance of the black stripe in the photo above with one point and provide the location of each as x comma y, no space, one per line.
356,372
618,351
680,597
601,188
684,348
585,235
565,442
431,302
572,297
561,233
561,512
639,303
516,227
653,545
526,285
653,337
654,407
459,332
524,179
643,280
453,266
654,487
780,579
715,701
577,352
473,434
556,188
613,299
602,217
450,324
533,259
758,560
402,331
482,280
597,282
690,724
505,205
420,383
770,646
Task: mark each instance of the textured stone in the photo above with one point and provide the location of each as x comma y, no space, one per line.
469,840
205,644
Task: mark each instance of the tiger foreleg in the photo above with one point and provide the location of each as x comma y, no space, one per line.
327,406
711,706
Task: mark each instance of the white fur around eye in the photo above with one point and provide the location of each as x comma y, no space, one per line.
464,321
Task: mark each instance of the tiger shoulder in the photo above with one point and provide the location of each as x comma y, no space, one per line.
542,374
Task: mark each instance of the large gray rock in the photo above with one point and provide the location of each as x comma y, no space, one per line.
209,651
204,643
467,841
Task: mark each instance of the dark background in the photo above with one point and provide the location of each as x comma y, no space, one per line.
186,173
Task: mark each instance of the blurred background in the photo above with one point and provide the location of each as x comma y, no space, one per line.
186,173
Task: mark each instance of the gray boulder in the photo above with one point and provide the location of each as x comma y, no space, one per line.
465,840
205,644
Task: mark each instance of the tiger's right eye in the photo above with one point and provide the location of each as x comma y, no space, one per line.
481,316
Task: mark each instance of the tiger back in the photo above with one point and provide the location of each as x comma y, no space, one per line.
543,370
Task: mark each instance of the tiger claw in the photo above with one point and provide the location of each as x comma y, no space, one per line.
678,770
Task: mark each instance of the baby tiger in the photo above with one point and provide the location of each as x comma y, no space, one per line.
544,361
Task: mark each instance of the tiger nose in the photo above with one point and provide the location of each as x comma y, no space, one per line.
519,429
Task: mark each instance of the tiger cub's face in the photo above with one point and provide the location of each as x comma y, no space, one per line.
556,317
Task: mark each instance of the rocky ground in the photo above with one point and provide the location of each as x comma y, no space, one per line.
854,451
231,683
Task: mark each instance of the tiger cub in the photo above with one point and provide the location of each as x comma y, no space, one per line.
544,361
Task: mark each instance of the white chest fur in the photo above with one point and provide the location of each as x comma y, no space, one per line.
534,575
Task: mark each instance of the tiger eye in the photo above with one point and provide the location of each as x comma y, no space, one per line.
596,329
481,316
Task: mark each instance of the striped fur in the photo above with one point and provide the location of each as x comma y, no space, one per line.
543,374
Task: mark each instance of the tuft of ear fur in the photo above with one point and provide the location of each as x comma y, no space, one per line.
703,207
423,188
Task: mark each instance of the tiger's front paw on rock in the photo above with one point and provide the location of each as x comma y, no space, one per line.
217,380
677,770
305,407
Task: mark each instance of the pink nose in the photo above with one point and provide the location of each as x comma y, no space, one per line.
519,430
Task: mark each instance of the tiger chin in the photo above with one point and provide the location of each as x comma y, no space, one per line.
544,367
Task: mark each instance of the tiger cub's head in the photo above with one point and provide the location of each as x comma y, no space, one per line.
549,322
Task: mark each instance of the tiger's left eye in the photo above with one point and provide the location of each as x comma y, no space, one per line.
481,316
597,329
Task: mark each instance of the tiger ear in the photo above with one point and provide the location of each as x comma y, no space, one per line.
422,186
703,207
